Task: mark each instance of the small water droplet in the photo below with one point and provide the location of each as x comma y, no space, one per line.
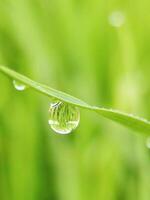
116,18
18,85
148,142
63,118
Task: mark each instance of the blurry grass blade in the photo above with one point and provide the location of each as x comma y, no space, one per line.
129,120
134,122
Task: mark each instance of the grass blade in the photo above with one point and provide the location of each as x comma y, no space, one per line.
135,123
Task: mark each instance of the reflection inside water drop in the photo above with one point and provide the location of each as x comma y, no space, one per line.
63,118
18,85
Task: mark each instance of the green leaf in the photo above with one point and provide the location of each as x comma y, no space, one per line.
136,123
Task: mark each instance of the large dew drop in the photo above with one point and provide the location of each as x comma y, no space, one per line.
18,85
63,118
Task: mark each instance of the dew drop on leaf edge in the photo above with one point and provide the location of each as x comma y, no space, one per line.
63,117
18,85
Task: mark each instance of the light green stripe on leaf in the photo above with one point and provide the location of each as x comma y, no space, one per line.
135,123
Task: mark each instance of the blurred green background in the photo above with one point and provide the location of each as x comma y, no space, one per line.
98,51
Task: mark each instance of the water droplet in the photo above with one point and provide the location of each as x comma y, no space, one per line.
18,85
63,118
148,143
116,18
